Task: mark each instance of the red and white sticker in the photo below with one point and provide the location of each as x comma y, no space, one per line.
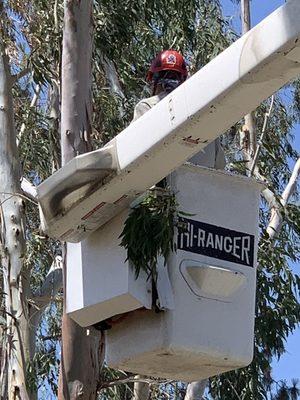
121,199
91,212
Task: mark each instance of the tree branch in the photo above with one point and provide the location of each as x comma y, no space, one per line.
113,80
276,211
141,389
53,283
32,104
195,390
29,189
132,379
112,76
266,119
21,74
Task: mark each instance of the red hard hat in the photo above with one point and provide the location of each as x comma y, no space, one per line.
168,60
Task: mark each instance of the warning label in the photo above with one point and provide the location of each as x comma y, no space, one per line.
91,212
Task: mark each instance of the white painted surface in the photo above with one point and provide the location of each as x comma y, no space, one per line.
100,284
211,329
210,281
178,127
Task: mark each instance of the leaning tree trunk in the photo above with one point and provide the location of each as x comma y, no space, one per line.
81,348
16,349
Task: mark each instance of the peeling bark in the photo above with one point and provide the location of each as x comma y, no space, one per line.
82,348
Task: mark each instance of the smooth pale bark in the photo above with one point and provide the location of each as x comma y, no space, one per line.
195,390
81,348
16,352
248,133
54,115
278,209
76,79
29,190
141,389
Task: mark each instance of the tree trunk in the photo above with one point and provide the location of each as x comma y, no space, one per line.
248,133
16,352
81,348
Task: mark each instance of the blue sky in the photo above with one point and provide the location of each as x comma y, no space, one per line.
289,365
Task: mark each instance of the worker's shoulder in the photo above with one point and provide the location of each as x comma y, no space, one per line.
146,104
149,101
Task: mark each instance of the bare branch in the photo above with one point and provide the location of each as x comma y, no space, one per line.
12,194
111,74
32,104
266,119
133,379
21,74
234,390
276,211
53,283
29,190
195,390
141,389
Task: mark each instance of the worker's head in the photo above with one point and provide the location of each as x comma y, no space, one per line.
167,71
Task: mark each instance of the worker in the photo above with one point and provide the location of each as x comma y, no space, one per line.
168,70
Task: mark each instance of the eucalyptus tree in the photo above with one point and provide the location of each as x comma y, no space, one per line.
126,36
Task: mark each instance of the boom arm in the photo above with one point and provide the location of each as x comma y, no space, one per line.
182,124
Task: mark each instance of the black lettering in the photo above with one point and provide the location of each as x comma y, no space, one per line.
217,242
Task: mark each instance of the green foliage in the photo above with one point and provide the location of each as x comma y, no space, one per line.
118,391
149,231
130,34
198,30
44,367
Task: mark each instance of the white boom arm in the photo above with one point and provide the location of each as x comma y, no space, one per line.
93,187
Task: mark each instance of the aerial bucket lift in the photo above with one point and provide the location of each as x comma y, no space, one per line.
207,289
94,187
208,323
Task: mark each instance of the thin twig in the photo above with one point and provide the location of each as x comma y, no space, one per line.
132,379
276,211
233,388
55,15
32,104
263,133
10,194
20,74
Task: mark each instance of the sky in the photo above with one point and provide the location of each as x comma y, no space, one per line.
288,367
